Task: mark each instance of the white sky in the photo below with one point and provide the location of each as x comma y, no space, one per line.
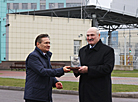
103,3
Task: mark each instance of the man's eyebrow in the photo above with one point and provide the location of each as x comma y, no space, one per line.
47,42
90,34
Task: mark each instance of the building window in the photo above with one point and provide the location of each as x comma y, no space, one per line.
76,47
8,5
60,5
24,6
73,4
15,5
114,38
42,6
51,5
33,6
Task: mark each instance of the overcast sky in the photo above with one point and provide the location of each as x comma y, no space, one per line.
103,3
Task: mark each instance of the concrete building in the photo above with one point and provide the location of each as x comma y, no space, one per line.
66,36
10,6
29,5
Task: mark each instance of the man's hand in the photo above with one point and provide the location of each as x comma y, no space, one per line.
83,69
59,85
65,68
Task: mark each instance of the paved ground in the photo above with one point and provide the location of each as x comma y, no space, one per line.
13,74
17,96
69,77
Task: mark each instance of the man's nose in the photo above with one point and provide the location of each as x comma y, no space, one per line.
89,37
48,44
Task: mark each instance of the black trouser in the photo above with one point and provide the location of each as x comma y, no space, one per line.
33,101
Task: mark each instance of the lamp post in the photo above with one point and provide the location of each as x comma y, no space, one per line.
94,21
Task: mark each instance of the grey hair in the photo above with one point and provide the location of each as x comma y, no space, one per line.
97,30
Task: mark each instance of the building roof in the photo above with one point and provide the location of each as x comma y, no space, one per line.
107,18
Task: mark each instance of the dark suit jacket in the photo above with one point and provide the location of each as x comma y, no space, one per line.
95,86
40,77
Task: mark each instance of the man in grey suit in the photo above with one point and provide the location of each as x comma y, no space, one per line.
40,77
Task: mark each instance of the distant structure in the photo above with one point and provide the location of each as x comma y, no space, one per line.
125,6
30,5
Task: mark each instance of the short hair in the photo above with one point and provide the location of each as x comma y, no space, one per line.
39,38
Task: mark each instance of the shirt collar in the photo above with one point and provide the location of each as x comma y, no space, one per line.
96,46
48,53
90,46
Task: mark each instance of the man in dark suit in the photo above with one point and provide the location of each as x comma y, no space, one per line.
40,77
97,63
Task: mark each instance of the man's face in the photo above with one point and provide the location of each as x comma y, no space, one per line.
92,36
44,46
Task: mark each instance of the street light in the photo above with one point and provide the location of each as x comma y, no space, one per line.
94,21
93,16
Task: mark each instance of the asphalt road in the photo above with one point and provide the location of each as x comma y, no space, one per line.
17,96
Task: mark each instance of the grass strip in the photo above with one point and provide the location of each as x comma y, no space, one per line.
12,82
124,88
122,73
68,85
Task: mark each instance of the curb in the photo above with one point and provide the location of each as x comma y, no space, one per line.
57,91
125,94
65,92
12,88
53,91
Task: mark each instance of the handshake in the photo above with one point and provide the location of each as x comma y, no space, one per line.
81,69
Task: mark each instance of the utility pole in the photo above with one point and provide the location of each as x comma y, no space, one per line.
81,9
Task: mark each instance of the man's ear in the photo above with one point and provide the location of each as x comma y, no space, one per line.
99,35
37,43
